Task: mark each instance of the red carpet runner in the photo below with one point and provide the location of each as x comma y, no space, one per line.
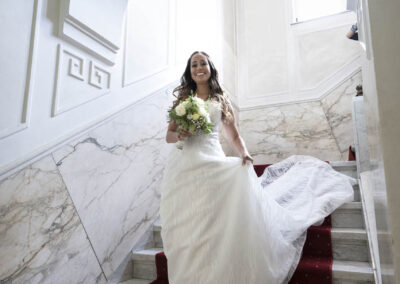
315,266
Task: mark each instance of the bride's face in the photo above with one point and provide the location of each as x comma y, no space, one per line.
200,69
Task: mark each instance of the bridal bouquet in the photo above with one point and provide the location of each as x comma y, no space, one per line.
192,115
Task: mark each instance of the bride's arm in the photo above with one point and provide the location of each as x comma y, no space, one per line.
235,138
172,133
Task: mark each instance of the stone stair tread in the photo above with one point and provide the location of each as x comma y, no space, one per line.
351,205
149,255
348,168
344,164
341,269
136,281
335,231
145,254
348,233
352,270
346,206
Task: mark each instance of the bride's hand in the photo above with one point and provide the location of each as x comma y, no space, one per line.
246,158
182,134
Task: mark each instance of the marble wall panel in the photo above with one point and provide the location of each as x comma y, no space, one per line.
113,174
338,109
274,133
41,237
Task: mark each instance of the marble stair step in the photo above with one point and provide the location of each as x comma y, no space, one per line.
350,272
345,167
350,244
348,168
349,215
347,243
135,281
144,266
357,195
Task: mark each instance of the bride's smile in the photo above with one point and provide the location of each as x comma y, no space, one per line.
200,69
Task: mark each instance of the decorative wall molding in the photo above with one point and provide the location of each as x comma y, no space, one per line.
163,67
94,76
331,82
242,66
99,77
75,66
79,29
293,94
126,83
232,97
30,69
323,23
316,93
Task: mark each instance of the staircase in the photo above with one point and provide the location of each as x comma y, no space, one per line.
351,257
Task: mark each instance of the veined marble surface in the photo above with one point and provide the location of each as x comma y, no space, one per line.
338,109
274,133
321,129
113,174
41,237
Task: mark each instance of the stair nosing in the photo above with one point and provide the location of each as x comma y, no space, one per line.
338,266
348,234
350,205
360,267
146,254
343,164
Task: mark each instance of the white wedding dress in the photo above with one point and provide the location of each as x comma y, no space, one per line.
223,224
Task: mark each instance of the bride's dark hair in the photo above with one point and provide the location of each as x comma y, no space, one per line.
188,84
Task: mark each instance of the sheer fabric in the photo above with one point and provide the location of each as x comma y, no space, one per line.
223,224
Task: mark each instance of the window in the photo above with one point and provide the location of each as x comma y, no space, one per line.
304,10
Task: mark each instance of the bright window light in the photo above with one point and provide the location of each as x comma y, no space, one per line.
304,10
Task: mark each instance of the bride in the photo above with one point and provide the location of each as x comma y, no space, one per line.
220,222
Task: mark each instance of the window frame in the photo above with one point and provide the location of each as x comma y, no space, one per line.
294,20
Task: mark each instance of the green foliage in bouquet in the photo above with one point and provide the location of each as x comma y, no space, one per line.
192,115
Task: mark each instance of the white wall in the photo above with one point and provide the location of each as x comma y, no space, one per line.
198,27
267,47
228,68
16,61
275,65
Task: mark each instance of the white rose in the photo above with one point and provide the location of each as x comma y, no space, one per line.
196,116
180,110
189,116
202,111
199,101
